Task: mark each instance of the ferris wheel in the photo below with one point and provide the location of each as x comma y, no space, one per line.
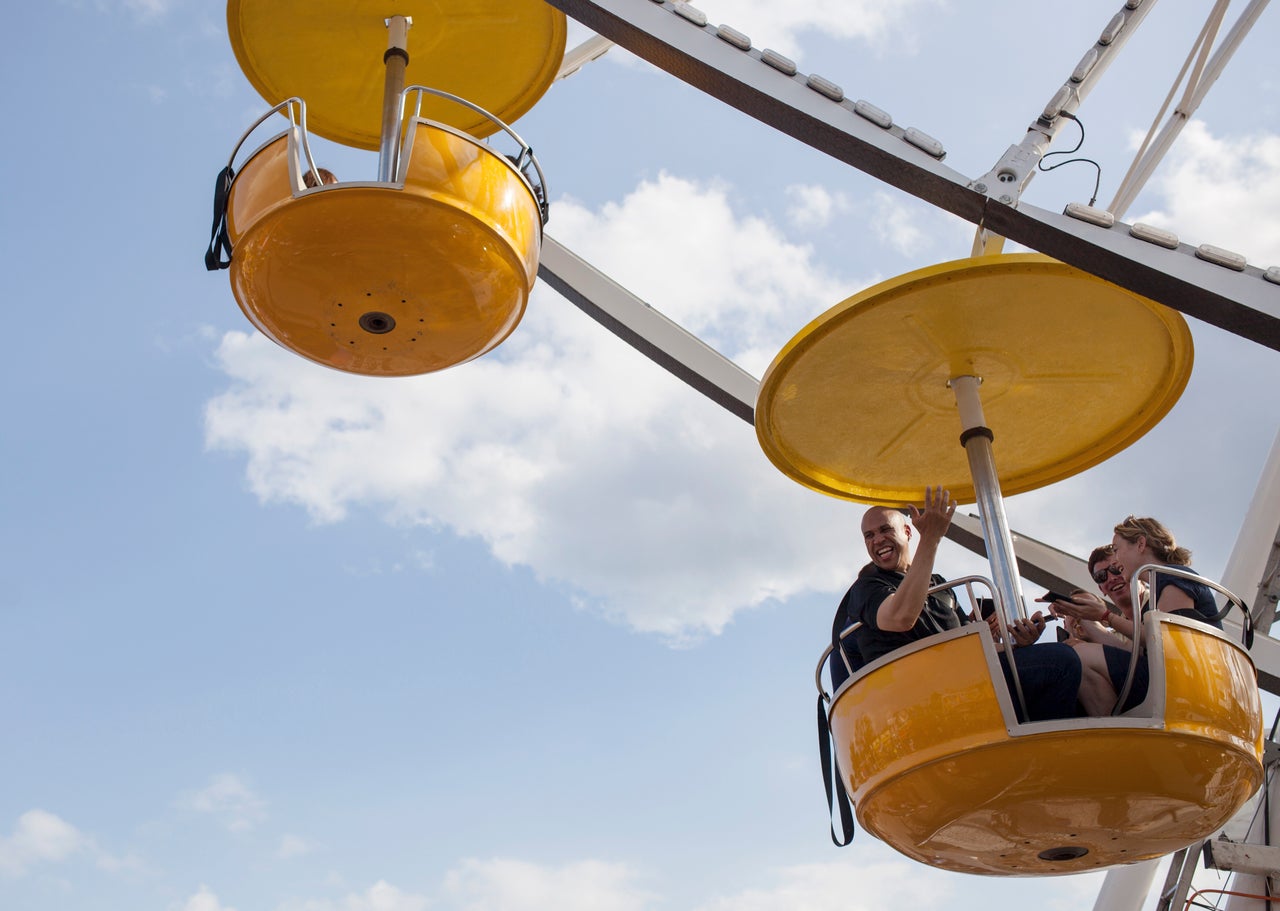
431,263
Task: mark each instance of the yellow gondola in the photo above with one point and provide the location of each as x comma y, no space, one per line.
388,279
432,263
1002,349
939,767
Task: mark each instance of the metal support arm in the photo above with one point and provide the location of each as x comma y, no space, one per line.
1241,302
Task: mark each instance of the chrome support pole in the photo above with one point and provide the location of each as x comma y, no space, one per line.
976,438
397,60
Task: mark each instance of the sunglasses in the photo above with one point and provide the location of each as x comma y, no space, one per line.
1101,575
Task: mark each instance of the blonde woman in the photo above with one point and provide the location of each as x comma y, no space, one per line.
1136,543
1139,541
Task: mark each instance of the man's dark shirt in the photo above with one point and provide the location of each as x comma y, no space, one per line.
869,642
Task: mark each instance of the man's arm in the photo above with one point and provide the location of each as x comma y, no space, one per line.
900,611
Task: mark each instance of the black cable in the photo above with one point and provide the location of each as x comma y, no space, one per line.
1266,806
1097,181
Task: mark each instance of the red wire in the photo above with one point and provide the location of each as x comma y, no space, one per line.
1195,892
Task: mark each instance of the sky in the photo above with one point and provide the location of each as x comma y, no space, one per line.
538,631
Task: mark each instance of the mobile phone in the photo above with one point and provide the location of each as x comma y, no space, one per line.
1054,596
986,607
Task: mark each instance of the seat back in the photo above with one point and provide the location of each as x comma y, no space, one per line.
262,184
462,172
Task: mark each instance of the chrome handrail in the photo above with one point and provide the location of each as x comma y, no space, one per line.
1153,571
521,161
1001,621
968,583
297,124
822,661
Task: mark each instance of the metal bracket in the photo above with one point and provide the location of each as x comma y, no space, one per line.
1237,857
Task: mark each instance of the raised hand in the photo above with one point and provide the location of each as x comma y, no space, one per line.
935,519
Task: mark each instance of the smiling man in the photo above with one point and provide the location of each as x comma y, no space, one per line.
1109,574
891,599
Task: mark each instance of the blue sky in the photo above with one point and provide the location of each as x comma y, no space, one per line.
536,632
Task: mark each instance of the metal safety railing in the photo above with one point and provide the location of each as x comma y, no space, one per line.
1153,571
524,161
968,583
295,109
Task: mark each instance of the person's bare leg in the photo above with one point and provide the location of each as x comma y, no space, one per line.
1097,695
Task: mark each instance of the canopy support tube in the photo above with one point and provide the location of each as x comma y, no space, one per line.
397,60
976,439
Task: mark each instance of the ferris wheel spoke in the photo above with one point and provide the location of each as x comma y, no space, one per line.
670,346
1244,301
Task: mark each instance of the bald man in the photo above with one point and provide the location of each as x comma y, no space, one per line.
890,598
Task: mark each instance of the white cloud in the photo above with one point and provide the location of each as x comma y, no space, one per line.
564,450
38,837
784,27
914,228
1225,189
877,878
381,896
881,878
906,225
812,206
896,223
204,900
735,281
515,885
229,799
839,887
780,25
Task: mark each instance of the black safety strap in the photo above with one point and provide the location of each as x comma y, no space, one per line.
1246,624
219,242
841,796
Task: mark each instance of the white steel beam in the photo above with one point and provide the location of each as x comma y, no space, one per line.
1245,302
667,344
1198,85
1253,571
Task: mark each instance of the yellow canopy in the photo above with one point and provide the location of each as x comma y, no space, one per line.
1074,369
499,54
